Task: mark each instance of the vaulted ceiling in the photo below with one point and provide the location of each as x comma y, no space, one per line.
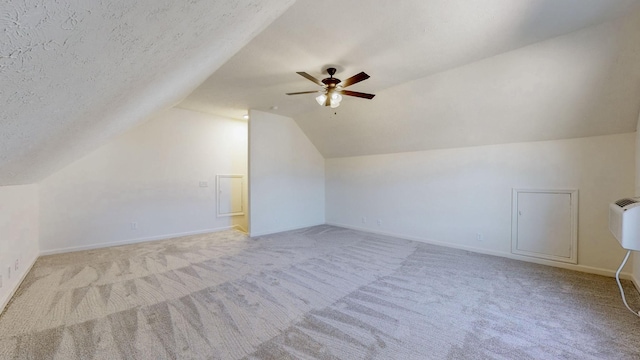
74,73
446,72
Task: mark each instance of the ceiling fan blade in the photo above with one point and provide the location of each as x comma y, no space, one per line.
304,74
354,79
357,94
305,92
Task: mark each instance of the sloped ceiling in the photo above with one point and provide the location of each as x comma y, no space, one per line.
447,73
75,73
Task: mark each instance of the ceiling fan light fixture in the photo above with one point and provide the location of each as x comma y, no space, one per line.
335,100
321,99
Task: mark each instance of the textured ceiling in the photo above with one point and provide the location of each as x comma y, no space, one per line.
586,83
75,73
447,73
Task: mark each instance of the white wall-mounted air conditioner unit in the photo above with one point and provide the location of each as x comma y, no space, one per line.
624,222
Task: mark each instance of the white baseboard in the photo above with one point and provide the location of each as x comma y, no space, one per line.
275,231
13,291
636,284
132,241
582,268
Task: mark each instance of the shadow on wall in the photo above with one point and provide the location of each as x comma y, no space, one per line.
608,83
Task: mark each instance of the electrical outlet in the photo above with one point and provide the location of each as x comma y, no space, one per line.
379,222
479,237
364,219
204,184
0,280
17,265
134,226
9,273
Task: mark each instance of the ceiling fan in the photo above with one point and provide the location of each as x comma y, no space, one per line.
333,88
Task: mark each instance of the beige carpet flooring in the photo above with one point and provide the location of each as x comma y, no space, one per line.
318,293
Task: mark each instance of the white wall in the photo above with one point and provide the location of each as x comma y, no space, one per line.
448,196
19,229
286,176
150,176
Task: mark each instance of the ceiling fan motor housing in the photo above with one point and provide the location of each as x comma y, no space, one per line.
331,82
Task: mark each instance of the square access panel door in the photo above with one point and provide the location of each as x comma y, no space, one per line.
230,195
544,224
